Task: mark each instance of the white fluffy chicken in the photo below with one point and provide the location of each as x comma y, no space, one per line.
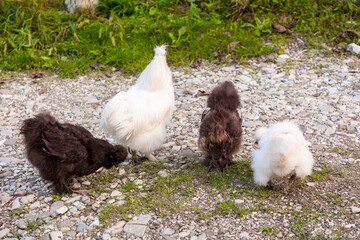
283,150
137,118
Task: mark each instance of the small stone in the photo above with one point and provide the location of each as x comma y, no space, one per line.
15,204
45,214
35,205
202,236
22,224
28,238
353,48
310,184
95,206
356,98
20,193
62,210
168,231
347,226
30,218
4,232
121,171
267,70
271,57
5,198
48,199
77,185
138,182
163,173
57,235
6,174
244,78
349,62
141,219
86,183
28,199
103,196
10,142
332,91
71,234
121,202
229,69
56,205
239,201
279,235
95,223
6,132
106,236
193,238
90,100
45,237
73,199
244,235
184,234
116,193
282,58
355,210
66,223
176,148
81,227
5,160
117,228
330,131
137,230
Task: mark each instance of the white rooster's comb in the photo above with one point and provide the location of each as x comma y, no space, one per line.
160,50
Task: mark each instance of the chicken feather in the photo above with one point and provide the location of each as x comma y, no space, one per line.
137,118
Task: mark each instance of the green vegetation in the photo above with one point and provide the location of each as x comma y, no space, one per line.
170,194
58,196
121,34
228,206
325,172
228,193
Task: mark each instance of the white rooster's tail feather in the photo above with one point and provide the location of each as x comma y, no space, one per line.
157,74
160,50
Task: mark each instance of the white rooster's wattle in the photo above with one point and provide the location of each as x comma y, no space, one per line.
137,118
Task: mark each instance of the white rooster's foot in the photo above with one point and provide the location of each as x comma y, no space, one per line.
150,157
132,154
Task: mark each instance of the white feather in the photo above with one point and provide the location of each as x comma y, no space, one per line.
282,150
137,118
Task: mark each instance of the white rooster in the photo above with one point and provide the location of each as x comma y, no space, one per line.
137,118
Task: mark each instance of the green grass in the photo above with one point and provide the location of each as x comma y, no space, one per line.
166,195
41,35
325,172
34,225
175,194
228,206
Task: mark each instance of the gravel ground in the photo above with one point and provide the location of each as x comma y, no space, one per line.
321,94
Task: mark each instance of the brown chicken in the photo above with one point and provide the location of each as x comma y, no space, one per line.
61,151
220,129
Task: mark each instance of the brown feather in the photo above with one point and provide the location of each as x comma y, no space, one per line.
220,129
61,151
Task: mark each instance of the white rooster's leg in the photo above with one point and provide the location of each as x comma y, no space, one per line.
150,157
132,153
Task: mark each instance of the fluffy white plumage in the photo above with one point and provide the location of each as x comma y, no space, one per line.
282,150
137,118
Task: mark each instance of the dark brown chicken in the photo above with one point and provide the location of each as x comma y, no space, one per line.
61,151
220,129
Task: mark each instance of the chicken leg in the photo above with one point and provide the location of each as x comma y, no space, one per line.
150,157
